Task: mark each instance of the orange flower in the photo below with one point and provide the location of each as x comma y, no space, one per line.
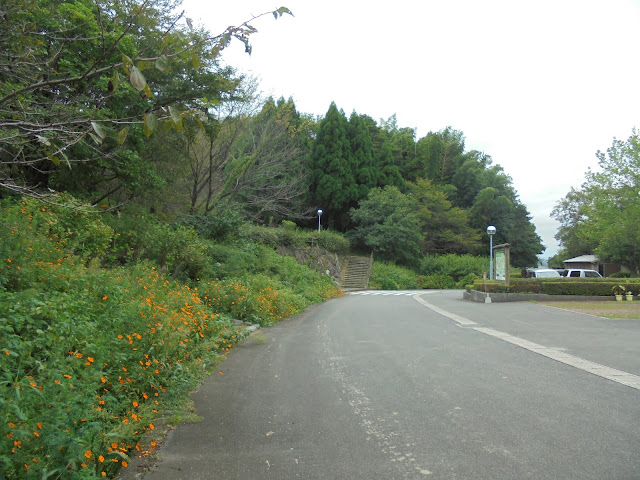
39,425
105,297
88,454
6,352
125,464
152,426
101,458
135,404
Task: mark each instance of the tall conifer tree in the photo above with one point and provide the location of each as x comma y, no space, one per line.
333,184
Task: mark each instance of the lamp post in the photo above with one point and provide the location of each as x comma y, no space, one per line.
491,231
319,215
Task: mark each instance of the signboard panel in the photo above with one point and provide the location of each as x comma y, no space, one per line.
501,265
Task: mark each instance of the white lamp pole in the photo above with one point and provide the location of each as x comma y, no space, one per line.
491,231
319,215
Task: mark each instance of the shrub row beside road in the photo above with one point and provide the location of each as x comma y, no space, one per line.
103,328
560,286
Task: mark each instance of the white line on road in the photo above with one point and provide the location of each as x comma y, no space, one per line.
619,376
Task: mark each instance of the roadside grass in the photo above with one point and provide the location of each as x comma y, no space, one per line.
607,309
94,360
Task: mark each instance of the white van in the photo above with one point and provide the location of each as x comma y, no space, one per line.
580,273
541,273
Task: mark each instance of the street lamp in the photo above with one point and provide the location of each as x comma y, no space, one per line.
491,231
319,215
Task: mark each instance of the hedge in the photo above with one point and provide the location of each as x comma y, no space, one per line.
560,286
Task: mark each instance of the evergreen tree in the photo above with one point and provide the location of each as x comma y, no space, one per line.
333,183
446,228
365,170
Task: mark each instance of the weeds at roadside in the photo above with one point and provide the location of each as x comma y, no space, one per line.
91,358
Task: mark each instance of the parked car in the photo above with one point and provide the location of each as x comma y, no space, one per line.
580,273
541,273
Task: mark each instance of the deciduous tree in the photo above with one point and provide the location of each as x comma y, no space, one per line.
81,80
387,223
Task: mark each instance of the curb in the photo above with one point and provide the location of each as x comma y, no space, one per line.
476,296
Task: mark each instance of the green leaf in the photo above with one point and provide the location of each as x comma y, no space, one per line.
122,135
20,413
147,90
196,61
127,63
137,79
114,82
54,158
281,11
175,114
178,126
97,140
163,64
99,129
150,124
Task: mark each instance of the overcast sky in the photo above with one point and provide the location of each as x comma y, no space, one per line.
540,86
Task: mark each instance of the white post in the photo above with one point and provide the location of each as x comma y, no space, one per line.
491,231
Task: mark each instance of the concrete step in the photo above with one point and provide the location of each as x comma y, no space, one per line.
356,272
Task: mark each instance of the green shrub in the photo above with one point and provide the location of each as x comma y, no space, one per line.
33,233
288,225
331,241
454,266
88,365
466,280
388,276
90,356
222,226
620,275
437,281
557,286
290,236
263,235
179,251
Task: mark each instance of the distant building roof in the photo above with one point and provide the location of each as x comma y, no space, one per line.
583,259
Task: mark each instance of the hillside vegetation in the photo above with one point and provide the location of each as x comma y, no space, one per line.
103,327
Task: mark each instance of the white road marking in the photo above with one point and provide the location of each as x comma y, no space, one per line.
619,376
376,424
395,293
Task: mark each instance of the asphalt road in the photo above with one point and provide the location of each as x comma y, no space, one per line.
388,387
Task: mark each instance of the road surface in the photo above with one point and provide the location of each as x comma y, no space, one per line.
419,385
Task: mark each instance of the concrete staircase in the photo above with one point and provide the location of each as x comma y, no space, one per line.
355,273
